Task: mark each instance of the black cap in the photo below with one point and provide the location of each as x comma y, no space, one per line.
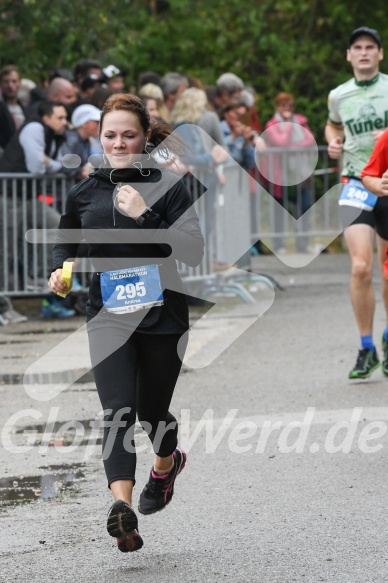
365,30
91,81
62,73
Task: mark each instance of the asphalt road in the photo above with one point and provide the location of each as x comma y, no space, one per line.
264,498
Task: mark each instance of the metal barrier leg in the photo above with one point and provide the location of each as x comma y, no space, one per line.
260,278
231,287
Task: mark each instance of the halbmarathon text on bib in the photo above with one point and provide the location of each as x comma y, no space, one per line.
356,195
129,290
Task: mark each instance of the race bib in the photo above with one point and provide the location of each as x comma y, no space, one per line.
129,290
356,195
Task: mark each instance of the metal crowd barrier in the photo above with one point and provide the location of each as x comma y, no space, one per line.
28,202
226,232
318,224
250,208
235,212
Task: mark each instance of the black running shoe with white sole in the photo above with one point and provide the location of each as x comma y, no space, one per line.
159,490
122,524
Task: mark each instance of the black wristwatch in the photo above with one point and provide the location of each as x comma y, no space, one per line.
140,220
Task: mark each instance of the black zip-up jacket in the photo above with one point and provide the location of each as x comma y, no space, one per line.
90,206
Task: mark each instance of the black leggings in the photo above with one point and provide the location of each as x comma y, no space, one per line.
137,375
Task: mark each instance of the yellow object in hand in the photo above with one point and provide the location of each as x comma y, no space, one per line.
67,276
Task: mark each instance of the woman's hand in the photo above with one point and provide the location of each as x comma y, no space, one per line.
260,145
56,283
130,202
219,154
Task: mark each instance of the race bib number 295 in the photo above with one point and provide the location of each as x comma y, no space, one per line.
129,290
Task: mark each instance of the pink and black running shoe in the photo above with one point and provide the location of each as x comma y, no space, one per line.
159,490
122,524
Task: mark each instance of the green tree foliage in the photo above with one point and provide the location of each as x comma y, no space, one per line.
292,45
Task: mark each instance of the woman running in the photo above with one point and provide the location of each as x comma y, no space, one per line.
137,220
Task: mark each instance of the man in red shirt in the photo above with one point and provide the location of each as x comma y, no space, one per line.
374,177
375,174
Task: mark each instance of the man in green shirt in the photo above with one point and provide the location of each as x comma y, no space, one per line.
358,115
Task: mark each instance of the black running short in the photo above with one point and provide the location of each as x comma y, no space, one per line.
376,218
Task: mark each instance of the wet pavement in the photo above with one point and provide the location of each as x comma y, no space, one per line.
19,490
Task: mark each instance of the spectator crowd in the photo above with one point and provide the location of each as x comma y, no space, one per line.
52,127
